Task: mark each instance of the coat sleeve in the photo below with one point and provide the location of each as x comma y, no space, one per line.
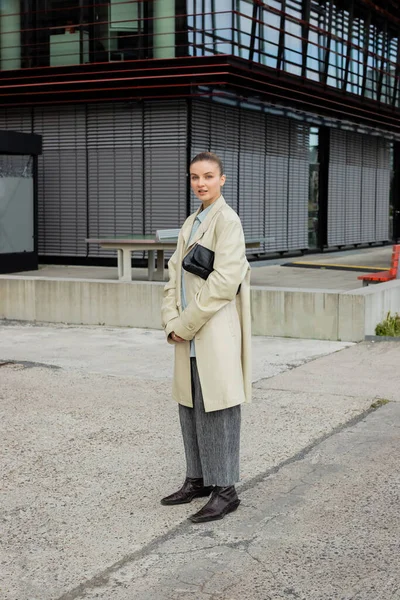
221,286
169,309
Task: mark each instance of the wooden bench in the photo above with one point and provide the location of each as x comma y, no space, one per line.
383,276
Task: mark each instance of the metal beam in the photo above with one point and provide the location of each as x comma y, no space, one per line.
396,82
255,17
365,52
281,43
349,46
385,53
328,45
305,28
381,8
214,28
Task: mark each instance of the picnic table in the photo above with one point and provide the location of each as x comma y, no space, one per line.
125,245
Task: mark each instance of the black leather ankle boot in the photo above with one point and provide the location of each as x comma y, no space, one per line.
223,501
192,488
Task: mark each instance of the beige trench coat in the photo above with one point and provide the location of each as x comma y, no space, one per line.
216,316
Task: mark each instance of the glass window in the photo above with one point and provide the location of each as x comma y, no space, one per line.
338,49
10,35
243,26
293,37
209,29
269,37
318,43
16,204
356,69
223,28
363,60
68,32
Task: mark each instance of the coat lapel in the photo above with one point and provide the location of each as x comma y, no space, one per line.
218,204
187,229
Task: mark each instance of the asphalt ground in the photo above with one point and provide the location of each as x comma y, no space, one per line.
90,442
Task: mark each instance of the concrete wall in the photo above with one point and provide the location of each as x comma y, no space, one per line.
312,314
78,301
378,300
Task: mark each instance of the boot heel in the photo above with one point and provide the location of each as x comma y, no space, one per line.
234,506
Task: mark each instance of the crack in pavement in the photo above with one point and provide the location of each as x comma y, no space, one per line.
103,578
303,391
27,364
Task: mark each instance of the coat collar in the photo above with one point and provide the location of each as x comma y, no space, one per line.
215,207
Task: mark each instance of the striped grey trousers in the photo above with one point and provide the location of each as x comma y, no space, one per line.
211,440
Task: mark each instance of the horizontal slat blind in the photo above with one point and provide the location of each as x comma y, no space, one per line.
359,189
115,167
224,139
200,137
16,119
62,180
353,176
252,174
215,128
266,160
337,188
276,181
165,165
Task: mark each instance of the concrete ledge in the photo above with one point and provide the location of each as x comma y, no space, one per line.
295,313
81,302
283,312
378,300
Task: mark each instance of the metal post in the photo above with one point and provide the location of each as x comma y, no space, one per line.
281,43
328,45
305,28
323,158
35,207
255,16
396,191
385,48
349,47
397,73
365,53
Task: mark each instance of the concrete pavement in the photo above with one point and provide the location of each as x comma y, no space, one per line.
324,526
139,353
90,442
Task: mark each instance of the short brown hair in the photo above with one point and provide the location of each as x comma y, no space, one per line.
211,157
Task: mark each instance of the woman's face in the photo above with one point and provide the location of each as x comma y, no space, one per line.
206,181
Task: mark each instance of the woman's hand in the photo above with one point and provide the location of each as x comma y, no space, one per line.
176,338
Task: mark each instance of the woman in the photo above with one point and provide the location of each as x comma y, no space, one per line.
206,315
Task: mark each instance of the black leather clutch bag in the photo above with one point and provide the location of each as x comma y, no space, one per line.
199,261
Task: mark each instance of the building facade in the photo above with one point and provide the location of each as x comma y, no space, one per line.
300,98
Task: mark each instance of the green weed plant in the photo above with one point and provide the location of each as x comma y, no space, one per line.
390,326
